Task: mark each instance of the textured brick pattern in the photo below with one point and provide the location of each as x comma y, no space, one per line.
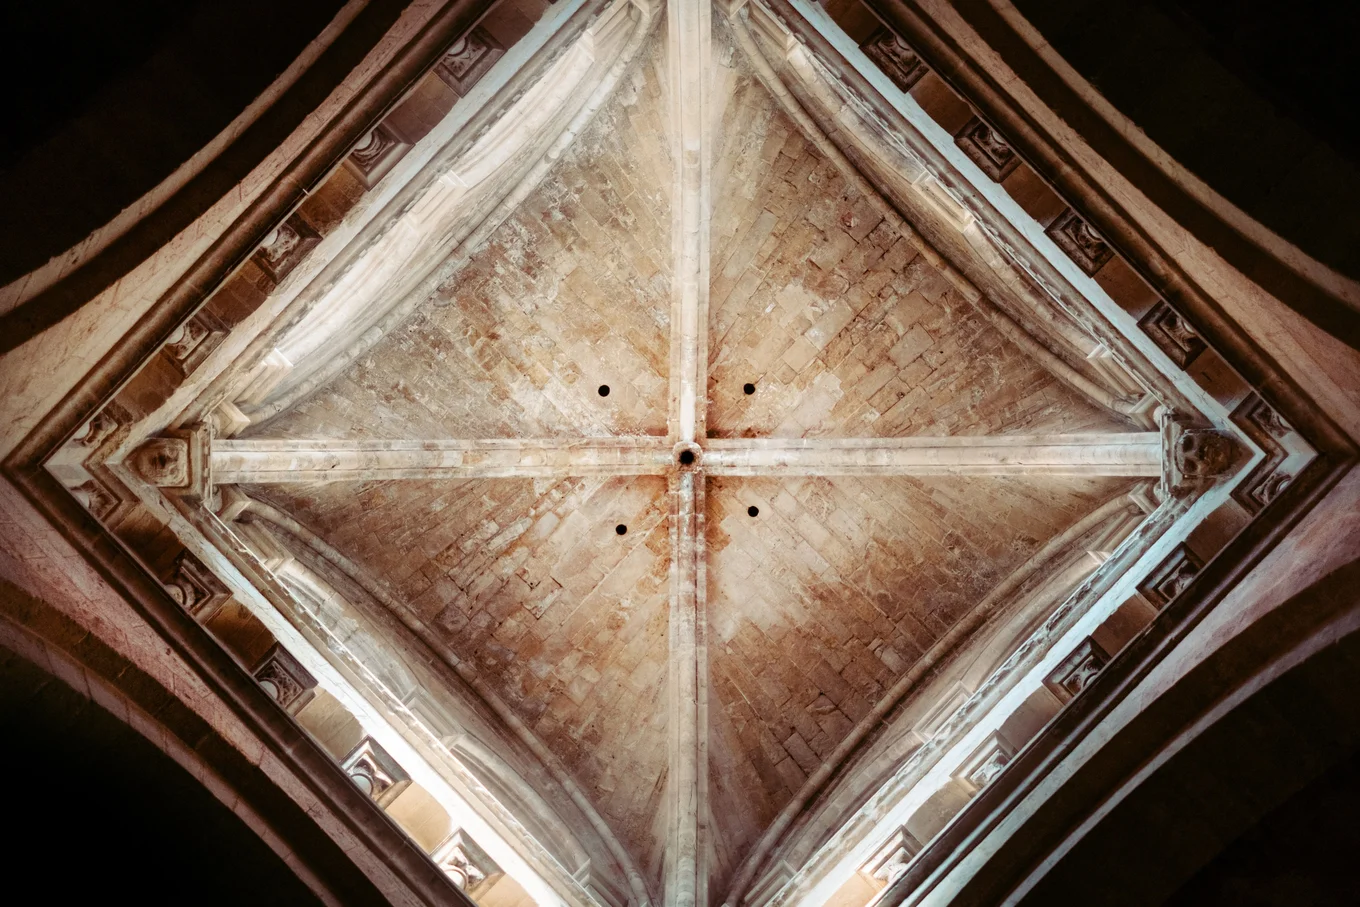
572,292
562,616
817,605
842,326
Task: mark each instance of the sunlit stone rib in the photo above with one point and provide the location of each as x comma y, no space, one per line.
1127,454
270,461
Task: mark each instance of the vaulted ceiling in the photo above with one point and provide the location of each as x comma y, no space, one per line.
643,247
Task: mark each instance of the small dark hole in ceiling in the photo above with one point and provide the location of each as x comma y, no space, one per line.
748,388
686,457
621,529
753,510
604,390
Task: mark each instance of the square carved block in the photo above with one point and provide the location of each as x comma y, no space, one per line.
285,247
194,587
986,148
1172,333
1079,241
1265,427
468,59
1074,672
374,772
1171,577
892,55
376,154
986,763
285,680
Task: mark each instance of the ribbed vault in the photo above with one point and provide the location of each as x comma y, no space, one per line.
689,459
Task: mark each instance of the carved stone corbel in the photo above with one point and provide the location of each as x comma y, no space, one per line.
178,460
194,587
466,864
374,772
985,763
892,859
1076,671
1194,456
1170,577
285,680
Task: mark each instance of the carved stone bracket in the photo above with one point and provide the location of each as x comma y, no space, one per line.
466,864
96,497
1171,577
986,148
193,340
1080,241
96,431
1194,456
1272,434
285,247
181,460
892,55
374,772
985,763
375,154
468,59
194,587
285,680
1172,333
892,859
1077,670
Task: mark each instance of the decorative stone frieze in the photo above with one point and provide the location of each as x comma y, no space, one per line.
986,763
1074,672
1080,241
892,55
892,859
285,247
285,680
374,772
986,148
1272,434
376,154
466,864
194,587
468,59
1171,577
1172,333
193,340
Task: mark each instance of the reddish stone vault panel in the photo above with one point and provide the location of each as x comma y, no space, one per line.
843,328
572,292
530,581
831,592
